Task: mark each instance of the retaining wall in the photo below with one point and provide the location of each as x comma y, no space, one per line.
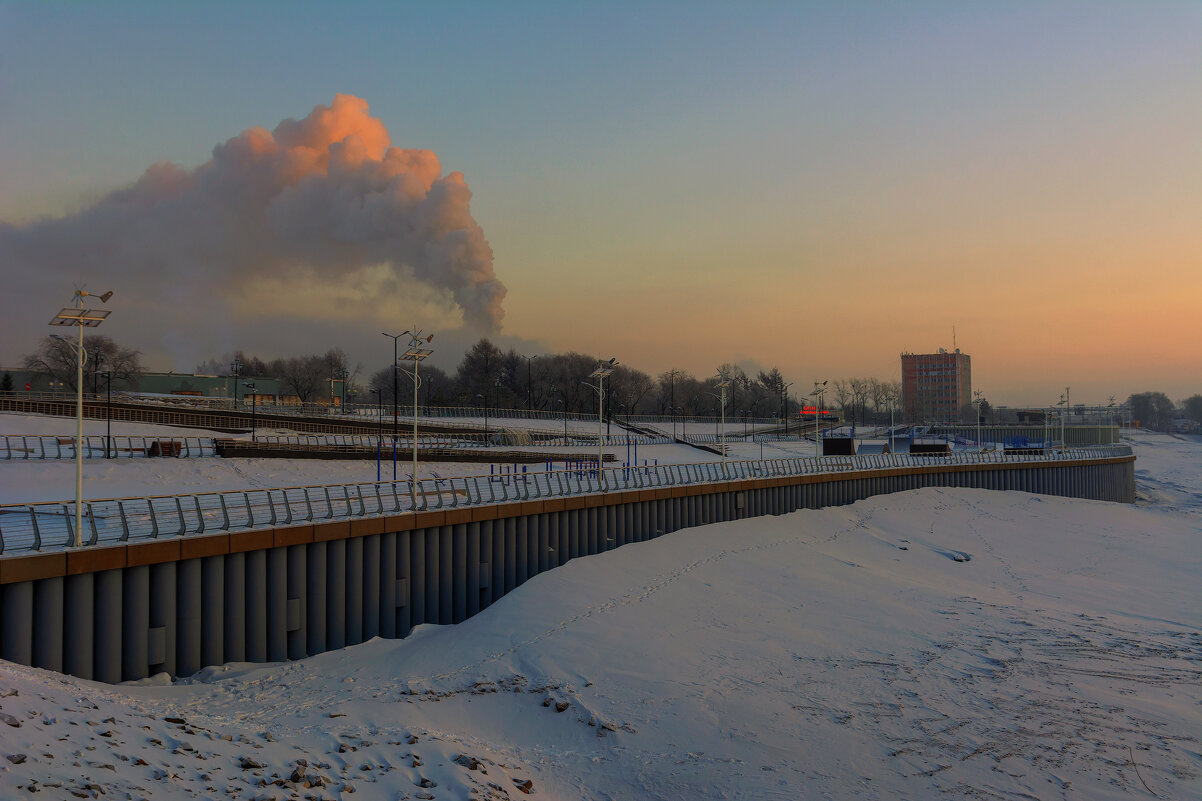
123,612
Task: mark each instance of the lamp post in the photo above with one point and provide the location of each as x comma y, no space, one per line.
342,374
1063,403
602,370
977,398
108,412
819,391
395,392
565,420
723,385
236,371
484,403
254,407
784,406
529,383
97,359
81,318
417,354
379,427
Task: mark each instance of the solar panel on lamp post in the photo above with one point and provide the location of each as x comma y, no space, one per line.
81,318
415,353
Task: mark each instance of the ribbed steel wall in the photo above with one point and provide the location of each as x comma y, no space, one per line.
289,593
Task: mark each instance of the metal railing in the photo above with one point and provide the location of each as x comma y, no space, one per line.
26,447
49,526
98,446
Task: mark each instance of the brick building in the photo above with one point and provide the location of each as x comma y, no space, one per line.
936,387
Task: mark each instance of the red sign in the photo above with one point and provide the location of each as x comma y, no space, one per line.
27,387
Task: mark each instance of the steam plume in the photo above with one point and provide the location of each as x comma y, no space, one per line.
325,200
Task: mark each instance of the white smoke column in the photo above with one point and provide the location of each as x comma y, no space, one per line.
318,200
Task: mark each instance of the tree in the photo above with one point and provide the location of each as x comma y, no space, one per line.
309,376
665,388
478,373
844,397
6,383
1153,410
1192,407
59,357
860,390
628,387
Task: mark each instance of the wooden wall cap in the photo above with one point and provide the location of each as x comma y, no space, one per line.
202,545
430,519
399,523
366,526
242,541
480,513
459,516
334,530
31,567
95,559
292,535
152,552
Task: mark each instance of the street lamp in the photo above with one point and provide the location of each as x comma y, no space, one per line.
416,353
81,318
342,374
236,371
379,427
819,391
529,382
108,412
254,407
603,369
723,385
1063,402
484,403
977,398
97,359
784,405
565,420
395,392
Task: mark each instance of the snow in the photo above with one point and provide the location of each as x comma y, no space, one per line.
33,481
940,642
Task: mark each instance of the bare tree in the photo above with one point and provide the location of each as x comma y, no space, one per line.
59,358
844,397
859,396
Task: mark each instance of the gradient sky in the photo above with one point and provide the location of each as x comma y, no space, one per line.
816,186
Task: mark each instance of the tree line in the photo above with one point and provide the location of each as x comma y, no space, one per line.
1155,411
555,382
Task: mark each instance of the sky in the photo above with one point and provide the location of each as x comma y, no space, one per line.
813,186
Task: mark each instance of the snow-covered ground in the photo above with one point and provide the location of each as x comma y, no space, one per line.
954,643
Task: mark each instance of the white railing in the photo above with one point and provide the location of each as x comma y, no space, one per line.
49,526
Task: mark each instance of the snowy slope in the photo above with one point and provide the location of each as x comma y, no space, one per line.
941,642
